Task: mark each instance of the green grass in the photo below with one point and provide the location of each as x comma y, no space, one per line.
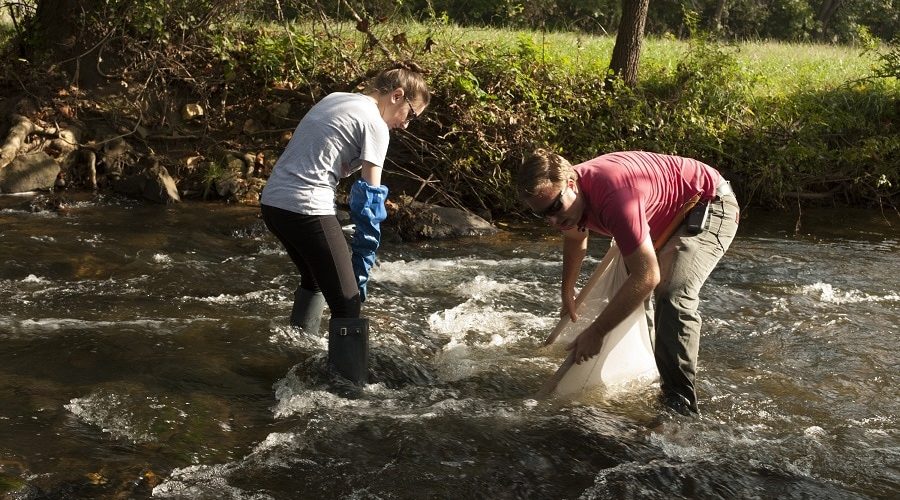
778,67
786,67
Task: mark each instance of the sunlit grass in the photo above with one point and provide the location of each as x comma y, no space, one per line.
790,66
779,66
775,67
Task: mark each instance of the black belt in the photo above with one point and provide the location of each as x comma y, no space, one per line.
723,189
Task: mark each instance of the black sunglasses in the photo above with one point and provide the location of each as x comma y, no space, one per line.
553,208
412,115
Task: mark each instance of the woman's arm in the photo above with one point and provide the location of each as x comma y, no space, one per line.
367,211
371,173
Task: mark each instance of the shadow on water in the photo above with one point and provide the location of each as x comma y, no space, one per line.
146,353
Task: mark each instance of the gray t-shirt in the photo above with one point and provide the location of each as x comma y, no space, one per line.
330,143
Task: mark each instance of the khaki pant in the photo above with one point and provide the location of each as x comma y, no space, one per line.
685,262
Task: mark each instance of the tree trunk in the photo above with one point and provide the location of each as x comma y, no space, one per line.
64,37
627,51
827,11
716,23
55,22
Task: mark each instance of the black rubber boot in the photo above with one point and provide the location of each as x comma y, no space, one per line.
348,348
307,310
680,404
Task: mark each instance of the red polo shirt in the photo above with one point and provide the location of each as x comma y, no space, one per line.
631,194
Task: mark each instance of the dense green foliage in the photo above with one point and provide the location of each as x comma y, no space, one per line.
811,140
498,97
782,123
889,62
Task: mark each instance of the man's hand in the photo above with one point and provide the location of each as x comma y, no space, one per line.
568,306
574,250
587,344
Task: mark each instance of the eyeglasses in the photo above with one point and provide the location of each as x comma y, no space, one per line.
553,208
412,115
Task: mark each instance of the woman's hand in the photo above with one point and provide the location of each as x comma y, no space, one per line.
587,344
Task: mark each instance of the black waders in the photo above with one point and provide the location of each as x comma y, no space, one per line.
307,310
348,348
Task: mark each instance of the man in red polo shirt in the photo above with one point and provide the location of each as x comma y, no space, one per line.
633,196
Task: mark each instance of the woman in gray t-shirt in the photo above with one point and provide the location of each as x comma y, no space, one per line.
341,134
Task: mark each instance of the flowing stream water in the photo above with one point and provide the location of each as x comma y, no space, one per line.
145,352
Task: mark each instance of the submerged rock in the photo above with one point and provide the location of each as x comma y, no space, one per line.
152,182
47,202
415,220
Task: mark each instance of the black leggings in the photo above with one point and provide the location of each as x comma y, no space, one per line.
318,248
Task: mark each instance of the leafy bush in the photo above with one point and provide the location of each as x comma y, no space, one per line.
498,98
816,142
889,62
498,102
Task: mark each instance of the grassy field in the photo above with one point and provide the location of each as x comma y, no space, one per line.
777,67
790,66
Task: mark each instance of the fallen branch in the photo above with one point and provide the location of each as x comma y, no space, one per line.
122,136
812,196
15,139
173,137
362,25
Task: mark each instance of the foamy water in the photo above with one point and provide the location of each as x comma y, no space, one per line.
828,293
160,363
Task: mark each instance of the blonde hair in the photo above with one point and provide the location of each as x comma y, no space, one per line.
541,170
408,76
